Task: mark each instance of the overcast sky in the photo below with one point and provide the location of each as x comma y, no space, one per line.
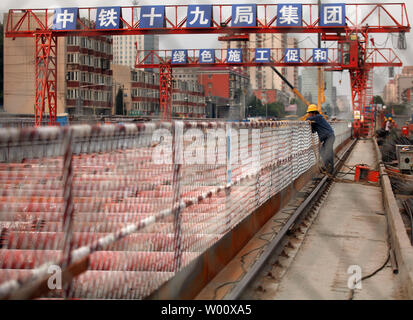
210,41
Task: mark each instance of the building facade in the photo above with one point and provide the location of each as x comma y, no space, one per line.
139,90
125,48
19,74
291,73
84,76
309,86
185,74
226,88
399,90
88,75
141,94
145,93
264,78
272,96
390,93
188,99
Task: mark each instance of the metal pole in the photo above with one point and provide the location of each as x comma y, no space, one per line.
176,183
78,99
228,202
319,15
68,214
123,102
297,93
319,74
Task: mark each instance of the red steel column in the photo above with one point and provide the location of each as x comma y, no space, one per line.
165,83
45,77
358,94
368,114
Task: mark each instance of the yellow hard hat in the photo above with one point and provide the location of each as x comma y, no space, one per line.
312,108
390,119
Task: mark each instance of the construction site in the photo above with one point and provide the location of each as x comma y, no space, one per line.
205,174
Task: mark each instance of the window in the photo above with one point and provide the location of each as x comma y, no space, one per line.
73,76
72,94
72,58
83,59
105,64
73,41
134,76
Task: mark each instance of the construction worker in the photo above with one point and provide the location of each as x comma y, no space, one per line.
388,126
325,134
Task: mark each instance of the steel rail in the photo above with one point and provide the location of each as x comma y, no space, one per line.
277,244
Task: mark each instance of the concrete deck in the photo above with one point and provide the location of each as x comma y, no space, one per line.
349,230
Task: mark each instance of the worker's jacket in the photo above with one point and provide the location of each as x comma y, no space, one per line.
321,126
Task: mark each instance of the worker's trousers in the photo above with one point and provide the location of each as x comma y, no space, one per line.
327,153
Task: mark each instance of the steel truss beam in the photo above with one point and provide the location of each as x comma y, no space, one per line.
375,57
374,17
369,58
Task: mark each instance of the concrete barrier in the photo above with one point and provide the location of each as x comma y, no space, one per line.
400,241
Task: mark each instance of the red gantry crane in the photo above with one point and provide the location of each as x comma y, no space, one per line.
358,21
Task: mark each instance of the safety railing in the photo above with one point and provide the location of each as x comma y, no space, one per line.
138,202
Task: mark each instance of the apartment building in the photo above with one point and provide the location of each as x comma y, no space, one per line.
84,78
125,48
89,86
141,94
399,90
188,99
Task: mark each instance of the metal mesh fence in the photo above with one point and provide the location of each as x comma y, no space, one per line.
342,131
141,201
